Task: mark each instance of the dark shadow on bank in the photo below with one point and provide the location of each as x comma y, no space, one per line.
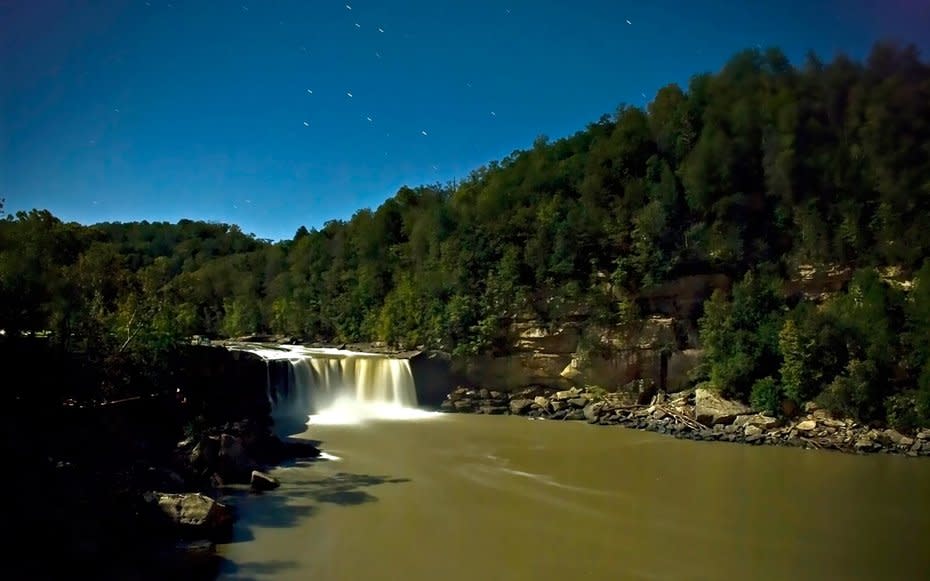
288,426
254,570
342,489
277,509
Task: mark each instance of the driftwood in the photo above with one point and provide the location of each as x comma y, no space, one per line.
691,423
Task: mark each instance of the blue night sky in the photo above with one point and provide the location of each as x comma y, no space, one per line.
161,110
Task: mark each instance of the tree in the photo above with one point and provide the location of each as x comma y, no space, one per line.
740,336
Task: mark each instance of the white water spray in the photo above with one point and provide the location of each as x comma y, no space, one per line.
334,386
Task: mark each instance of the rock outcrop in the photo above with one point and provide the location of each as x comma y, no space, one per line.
261,482
194,514
711,409
677,415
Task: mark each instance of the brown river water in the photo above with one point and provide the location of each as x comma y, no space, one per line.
492,497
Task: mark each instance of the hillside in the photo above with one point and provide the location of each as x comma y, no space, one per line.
759,172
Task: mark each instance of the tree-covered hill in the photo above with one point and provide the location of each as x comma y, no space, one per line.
761,168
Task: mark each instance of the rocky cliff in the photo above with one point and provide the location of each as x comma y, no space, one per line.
662,347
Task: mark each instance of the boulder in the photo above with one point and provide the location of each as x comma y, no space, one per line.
542,402
752,430
579,402
493,410
575,414
592,410
261,481
520,406
190,512
484,393
457,394
806,426
447,406
566,394
864,444
571,373
758,420
463,406
811,407
895,437
923,435
710,408
765,422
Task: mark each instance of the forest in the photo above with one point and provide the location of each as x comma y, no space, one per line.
756,171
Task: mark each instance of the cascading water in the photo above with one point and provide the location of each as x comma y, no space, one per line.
333,386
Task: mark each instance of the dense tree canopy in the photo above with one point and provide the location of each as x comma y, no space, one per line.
763,166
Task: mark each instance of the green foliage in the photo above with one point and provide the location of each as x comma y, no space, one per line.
813,350
740,336
240,317
854,392
901,410
766,395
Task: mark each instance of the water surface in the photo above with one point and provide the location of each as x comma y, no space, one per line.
489,497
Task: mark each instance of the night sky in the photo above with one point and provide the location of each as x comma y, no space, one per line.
276,114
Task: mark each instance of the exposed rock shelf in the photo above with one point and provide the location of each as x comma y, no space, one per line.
695,414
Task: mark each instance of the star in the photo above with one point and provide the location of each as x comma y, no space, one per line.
348,7
423,133
310,91
628,21
380,29
306,124
348,94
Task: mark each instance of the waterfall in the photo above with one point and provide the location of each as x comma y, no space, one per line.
337,386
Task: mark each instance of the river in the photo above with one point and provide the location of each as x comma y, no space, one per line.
491,497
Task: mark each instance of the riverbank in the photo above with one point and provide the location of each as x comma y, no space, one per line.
696,414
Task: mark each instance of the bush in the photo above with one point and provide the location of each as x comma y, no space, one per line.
740,336
853,393
766,395
901,411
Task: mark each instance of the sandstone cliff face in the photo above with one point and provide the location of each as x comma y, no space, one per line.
662,348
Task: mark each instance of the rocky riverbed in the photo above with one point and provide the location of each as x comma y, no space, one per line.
697,414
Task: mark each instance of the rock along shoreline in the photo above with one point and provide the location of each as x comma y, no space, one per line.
696,414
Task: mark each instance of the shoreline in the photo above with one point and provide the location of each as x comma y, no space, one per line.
677,415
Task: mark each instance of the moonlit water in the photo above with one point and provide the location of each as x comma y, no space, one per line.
469,497
340,387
